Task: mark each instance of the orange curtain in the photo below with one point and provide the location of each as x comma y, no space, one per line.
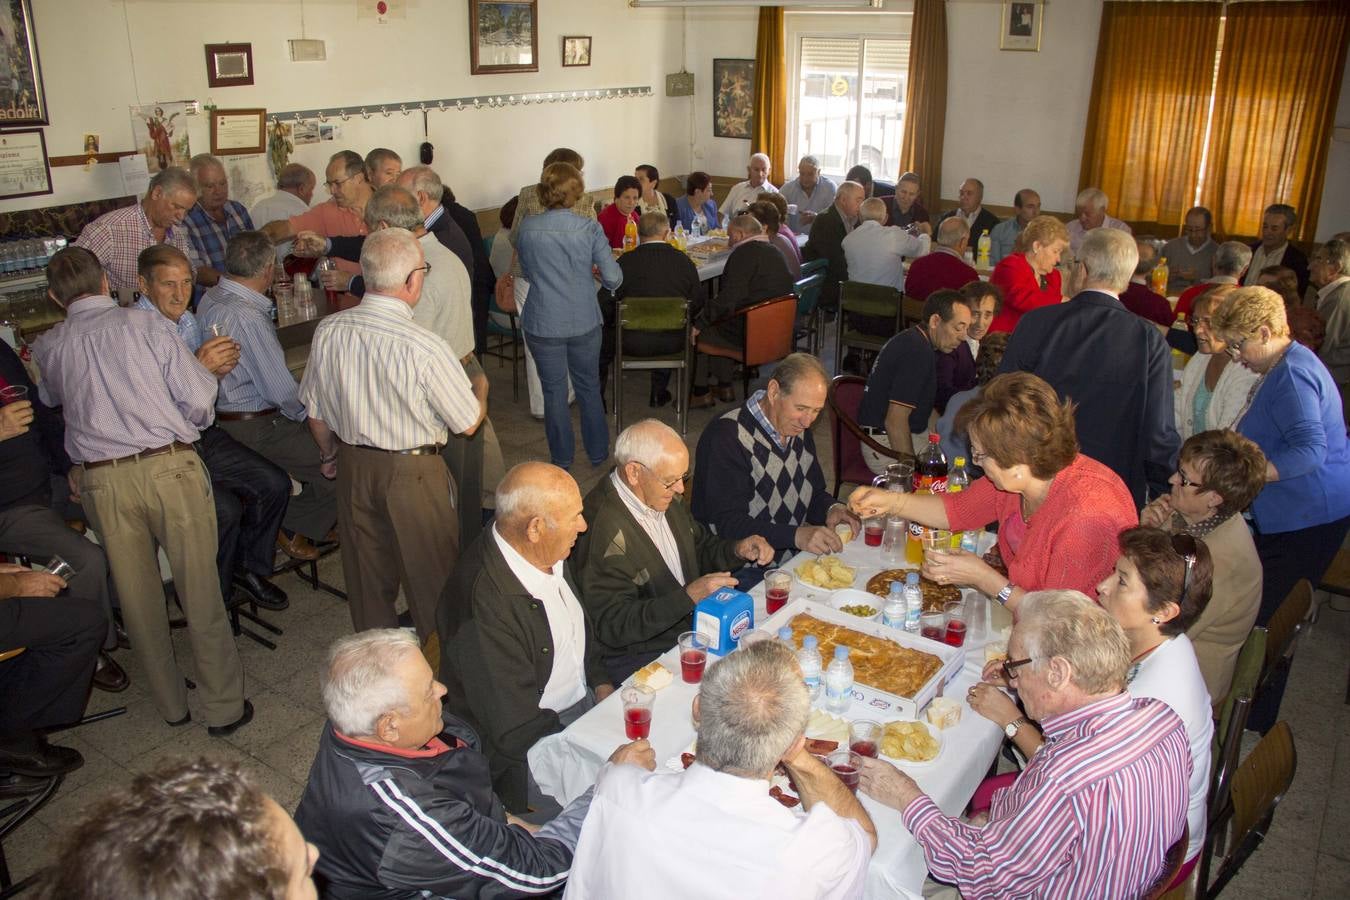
926,96
771,92
1150,97
1274,110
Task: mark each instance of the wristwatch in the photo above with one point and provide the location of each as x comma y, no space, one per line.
1006,594
1012,727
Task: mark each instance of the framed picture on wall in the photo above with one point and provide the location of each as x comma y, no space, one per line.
1021,25
733,98
503,36
229,65
236,131
22,101
576,51
25,170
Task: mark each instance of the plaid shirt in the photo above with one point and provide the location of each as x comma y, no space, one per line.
210,236
117,239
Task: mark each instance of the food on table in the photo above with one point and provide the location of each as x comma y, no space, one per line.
859,609
935,596
783,797
826,726
909,741
995,651
653,675
844,531
944,712
826,572
820,746
877,662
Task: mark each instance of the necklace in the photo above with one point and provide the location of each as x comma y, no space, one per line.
1139,661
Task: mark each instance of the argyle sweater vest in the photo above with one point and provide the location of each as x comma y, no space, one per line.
782,493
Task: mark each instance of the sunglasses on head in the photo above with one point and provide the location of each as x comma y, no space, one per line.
1184,545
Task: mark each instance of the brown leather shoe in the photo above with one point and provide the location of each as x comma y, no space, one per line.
702,401
108,675
297,546
726,393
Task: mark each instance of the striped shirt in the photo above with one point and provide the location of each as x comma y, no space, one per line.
378,378
117,239
261,380
1091,816
127,381
188,328
210,236
654,523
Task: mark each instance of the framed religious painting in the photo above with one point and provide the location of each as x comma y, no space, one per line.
503,36
1021,27
733,98
22,101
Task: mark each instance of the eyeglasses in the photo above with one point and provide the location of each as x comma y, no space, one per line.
341,181
1183,545
668,485
1010,667
1234,348
978,456
425,267
1186,482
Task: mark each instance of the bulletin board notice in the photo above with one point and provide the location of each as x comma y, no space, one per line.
24,171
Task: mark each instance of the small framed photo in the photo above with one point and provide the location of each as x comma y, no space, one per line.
229,65
576,51
236,131
1021,25
503,36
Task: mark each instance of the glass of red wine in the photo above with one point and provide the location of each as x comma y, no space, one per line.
847,765
693,656
955,613
637,711
777,586
873,529
864,737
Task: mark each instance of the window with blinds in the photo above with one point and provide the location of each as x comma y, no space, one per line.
849,105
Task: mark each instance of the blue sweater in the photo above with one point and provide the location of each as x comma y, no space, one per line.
557,250
1296,419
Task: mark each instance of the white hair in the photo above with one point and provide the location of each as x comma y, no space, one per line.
360,682
1092,198
203,161
952,231
387,258
752,706
1231,258
873,209
1110,257
424,179
809,160
763,156
1068,625
647,442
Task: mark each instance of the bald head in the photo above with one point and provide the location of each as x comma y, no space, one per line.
953,233
849,199
539,512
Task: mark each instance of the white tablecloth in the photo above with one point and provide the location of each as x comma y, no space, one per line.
566,764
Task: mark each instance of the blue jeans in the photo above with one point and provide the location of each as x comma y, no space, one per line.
578,356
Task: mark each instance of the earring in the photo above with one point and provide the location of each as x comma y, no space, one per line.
1155,620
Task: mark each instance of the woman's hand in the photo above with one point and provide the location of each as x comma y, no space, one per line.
992,703
1158,513
960,567
869,501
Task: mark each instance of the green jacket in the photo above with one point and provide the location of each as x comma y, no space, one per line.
633,599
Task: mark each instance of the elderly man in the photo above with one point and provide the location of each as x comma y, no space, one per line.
1003,238
827,239
1231,258
875,254
743,193
250,493
343,215
944,269
750,714
756,469
399,799
1329,272
1274,248
215,218
259,405
902,386
811,192
1190,256
484,278
754,271
905,210
1138,297
295,190
1114,365
135,401
117,238
970,209
383,166
646,561
1111,765
392,481
1090,214
517,655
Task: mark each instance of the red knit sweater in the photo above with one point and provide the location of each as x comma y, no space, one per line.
1022,291
1071,541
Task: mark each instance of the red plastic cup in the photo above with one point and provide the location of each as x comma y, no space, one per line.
847,766
693,657
777,590
863,737
872,531
637,711
955,612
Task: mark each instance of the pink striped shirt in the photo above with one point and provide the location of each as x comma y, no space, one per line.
1091,816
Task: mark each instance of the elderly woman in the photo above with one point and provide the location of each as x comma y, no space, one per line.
1213,387
697,206
1027,276
1293,413
615,217
1058,511
1217,477
766,213
780,203
1159,586
561,319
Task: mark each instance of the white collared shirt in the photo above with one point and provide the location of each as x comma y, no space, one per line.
1324,292
654,524
714,836
567,682
1262,259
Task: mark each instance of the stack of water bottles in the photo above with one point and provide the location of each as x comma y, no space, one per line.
28,255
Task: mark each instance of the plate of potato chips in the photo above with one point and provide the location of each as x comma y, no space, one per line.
912,743
828,572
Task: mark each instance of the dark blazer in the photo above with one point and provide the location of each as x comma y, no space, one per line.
445,230
29,460
755,271
985,221
827,242
496,657
1294,259
484,279
656,269
1118,370
635,602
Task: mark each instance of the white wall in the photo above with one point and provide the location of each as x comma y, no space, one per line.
716,34
1335,214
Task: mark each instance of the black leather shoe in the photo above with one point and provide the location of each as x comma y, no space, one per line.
15,787
108,675
263,592
32,756
227,730
179,723
659,399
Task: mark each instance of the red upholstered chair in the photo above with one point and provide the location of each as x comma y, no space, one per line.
847,436
769,328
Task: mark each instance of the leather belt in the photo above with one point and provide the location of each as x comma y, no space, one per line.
224,416
424,450
175,447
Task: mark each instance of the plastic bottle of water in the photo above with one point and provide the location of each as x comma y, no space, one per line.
809,659
785,636
913,602
970,541
695,230
839,681
894,610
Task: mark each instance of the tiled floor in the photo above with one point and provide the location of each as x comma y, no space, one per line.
1306,855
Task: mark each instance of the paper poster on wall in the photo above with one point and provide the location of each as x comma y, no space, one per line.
330,132
250,178
305,133
160,132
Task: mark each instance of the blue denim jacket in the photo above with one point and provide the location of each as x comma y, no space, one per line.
557,249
